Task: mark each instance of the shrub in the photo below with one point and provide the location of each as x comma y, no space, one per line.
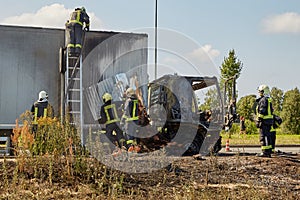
251,127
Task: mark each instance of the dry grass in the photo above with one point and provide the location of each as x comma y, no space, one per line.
42,170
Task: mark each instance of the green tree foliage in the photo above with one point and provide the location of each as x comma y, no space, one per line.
211,100
245,106
291,111
231,67
277,100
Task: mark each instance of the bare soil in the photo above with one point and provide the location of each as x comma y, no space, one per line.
215,177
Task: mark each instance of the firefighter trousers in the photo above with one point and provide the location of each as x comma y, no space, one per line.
74,34
115,134
273,140
265,138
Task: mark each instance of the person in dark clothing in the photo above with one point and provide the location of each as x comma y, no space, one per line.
79,22
131,119
41,108
265,120
109,117
242,125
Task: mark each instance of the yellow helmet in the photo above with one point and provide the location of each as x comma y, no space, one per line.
264,89
106,97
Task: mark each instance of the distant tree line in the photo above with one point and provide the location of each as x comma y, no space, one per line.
285,104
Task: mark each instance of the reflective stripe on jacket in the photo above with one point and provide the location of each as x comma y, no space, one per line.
111,114
267,115
133,111
79,17
37,113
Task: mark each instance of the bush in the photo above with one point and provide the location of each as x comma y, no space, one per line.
251,127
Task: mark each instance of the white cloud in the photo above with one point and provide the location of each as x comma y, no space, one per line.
54,16
204,54
283,23
197,61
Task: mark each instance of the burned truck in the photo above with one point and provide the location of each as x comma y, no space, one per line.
175,115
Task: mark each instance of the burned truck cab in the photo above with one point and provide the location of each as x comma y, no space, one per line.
174,112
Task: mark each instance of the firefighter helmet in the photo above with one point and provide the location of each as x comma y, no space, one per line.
264,89
106,97
129,92
43,95
83,9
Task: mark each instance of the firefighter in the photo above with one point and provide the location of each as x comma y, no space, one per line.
79,22
110,118
264,120
41,108
131,119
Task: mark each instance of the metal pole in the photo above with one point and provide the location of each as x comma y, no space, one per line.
155,49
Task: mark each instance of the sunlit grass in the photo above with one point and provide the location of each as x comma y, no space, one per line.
253,139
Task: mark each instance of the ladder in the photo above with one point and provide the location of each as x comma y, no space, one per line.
73,91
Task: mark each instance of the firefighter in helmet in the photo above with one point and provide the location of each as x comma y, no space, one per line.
41,108
131,119
109,117
79,21
264,121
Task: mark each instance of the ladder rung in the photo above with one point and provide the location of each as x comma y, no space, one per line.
75,79
73,101
73,67
74,112
74,90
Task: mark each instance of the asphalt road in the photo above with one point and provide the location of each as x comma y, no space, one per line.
257,149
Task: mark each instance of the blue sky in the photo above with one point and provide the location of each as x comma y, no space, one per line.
264,34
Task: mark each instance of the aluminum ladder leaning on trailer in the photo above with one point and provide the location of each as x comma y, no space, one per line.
73,92
71,89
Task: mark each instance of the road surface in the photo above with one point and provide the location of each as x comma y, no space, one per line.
257,149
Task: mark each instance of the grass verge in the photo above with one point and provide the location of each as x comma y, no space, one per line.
253,139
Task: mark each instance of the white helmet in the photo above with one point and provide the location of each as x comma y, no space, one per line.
264,89
43,95
129,92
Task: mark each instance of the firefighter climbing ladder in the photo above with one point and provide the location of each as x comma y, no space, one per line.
73,90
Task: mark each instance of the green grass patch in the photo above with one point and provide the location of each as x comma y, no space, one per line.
253,139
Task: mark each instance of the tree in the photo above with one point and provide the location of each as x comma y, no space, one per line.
245,106
291,111
231,67
277,99
211,100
